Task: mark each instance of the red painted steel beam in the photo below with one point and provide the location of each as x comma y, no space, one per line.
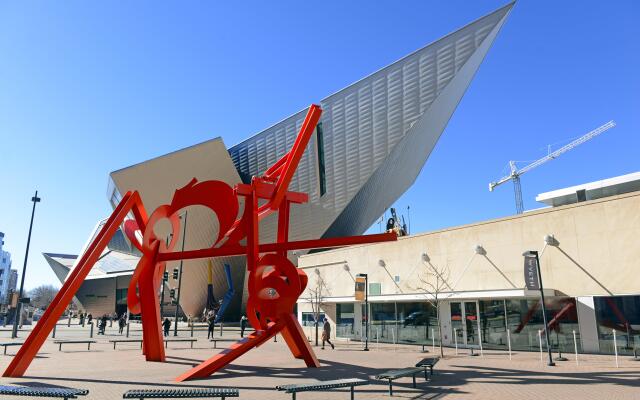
40,332
234,351
236,250
295,154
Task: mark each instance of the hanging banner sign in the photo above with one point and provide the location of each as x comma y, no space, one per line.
360,288
531,273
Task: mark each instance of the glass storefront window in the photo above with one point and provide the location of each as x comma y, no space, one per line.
417,323
345,320
309,320
383,322
524,320
621,313
492,324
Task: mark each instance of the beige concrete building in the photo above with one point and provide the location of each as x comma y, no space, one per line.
589,257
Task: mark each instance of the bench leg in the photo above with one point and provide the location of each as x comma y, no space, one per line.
414,380
352,390
425,374
390,388
293,396
114,345
60,347
214,344
5,350
88,346
192,345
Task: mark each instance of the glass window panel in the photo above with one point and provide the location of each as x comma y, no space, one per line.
345,320
417,323
492,324
308,318
621,313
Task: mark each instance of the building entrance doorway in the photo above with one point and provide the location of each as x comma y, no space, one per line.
464,323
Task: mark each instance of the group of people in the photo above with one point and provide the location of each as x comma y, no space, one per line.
102,321
209,316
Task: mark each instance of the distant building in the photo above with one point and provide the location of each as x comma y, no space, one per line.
5,272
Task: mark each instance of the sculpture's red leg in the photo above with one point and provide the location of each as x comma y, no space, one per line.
39,334
297,335
150,310
227,356
288,338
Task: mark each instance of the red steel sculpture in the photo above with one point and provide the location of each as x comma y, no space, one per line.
274,283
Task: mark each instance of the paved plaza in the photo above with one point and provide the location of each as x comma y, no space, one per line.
108,373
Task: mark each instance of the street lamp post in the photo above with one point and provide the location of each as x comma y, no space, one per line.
35,199
531,254
184,230
366,310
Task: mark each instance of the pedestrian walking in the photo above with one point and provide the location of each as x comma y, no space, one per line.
122,322
326,334
243,325
102,324
166,324
211,318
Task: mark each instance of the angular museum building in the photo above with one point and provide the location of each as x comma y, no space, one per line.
372,140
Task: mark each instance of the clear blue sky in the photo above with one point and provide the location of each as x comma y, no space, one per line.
88,88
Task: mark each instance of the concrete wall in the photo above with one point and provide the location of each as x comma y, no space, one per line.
598,253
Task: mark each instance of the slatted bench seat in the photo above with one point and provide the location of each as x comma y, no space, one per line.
428,363
322,386
116,341
61,342
141,394
166,341
399,373
215,341
9,344
26,391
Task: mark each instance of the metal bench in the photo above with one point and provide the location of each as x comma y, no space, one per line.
26,391
166,341
400,373
61,342
428,363
322,386
215,341
9,344
181,393
116,341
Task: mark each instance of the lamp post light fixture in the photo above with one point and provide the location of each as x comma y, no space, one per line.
550,240
14,333
479,250
532,254
366,310
425,257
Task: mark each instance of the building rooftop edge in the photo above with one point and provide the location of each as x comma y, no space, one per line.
492,221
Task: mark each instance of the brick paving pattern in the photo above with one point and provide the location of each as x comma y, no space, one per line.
108,373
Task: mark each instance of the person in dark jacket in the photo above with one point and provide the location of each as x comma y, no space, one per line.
166,324
326,334
243,325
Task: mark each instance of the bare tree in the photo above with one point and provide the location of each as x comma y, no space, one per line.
315,295
43,295
433,283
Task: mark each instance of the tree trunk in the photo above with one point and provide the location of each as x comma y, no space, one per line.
316,323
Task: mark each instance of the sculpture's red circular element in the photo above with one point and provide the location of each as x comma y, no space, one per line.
215,195
274,287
